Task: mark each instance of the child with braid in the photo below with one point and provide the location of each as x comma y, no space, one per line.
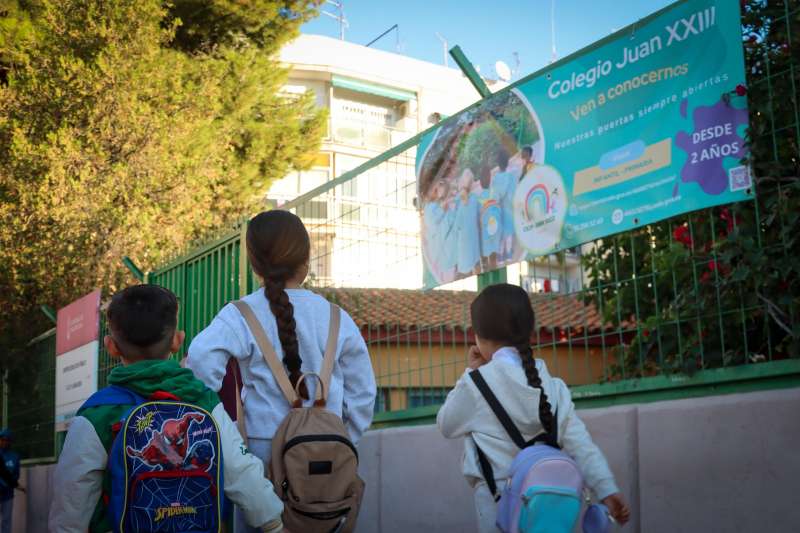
296,322
503,321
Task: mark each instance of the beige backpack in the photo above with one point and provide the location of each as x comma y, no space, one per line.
314,465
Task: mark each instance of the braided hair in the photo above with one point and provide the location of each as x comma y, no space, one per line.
278,247
503,313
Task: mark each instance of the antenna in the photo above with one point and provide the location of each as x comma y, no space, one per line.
444,48
379,37
338,16
503,71
515,70
553,30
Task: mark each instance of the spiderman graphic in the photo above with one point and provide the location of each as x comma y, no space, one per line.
169,448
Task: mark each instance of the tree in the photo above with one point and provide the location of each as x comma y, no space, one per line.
719,286
126,131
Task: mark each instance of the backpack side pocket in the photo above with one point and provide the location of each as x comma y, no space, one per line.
549,510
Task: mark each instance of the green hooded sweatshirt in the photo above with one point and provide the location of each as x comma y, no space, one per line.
144,378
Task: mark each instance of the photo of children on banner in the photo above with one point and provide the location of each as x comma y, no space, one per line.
467,181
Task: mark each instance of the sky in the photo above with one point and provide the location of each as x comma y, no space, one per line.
486,30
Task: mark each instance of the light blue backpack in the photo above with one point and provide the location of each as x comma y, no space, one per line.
543,494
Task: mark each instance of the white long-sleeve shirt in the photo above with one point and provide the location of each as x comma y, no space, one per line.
466,413
78,478
352,388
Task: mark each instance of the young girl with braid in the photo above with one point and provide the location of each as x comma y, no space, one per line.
503,321
297,322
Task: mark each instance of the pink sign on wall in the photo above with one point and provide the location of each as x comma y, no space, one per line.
78,323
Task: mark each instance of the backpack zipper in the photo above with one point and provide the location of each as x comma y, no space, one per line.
319,438
323,515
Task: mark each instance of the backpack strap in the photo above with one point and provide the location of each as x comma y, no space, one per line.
498,410
487,471
113,395
267,352
330,351
240,424
549,438
512,430
486,467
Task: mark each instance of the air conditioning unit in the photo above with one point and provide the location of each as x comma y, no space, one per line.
408,109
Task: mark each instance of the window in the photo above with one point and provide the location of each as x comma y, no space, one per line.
539,285
350,188
296,183
316,209
382,400
351,212
312,178
360,119
420,397
320,263
363,109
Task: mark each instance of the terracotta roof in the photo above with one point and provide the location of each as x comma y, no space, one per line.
450,309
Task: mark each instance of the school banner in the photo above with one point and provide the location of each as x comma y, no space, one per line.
642,126
77,348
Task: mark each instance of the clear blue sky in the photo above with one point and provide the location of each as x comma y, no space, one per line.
487,30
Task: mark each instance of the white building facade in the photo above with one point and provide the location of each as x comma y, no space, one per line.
365,233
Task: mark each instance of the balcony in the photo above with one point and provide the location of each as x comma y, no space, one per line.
365,134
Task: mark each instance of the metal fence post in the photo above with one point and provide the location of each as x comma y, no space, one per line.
243,260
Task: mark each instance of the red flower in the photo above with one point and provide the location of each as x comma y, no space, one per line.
706,277
728,218
645,333
741,90
683,236
712,265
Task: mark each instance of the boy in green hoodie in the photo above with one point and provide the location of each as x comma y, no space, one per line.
143,332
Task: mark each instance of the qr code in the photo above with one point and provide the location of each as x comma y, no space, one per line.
740,178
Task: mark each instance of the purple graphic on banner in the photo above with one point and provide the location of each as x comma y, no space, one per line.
714,138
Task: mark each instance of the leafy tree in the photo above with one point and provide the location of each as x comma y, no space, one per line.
205,24
719,286
125,130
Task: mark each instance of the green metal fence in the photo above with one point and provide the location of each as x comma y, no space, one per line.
705,303
665,307
29,400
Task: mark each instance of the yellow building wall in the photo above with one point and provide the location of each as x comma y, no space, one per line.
436,368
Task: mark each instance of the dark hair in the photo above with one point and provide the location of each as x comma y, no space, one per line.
502,159
528,150
277,247
503,313
142,320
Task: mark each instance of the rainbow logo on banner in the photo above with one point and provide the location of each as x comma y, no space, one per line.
537,202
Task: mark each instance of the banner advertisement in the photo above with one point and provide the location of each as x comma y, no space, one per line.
642,126
77,349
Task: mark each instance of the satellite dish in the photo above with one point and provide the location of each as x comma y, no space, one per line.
503,70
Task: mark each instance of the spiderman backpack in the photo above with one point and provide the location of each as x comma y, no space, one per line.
165,464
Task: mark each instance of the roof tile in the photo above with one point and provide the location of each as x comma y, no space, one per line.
411,308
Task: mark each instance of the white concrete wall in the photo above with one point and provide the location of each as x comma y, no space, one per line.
718,464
